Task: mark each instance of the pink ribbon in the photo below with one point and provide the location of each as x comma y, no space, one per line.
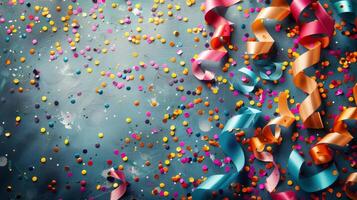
119,191
323,25
288,195
221,36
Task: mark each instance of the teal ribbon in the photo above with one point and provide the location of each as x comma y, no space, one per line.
278,72
245,118
242,87
313,183
346,9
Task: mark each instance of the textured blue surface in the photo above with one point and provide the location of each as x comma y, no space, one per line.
59,82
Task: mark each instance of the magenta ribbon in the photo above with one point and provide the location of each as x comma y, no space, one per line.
288,195
221,36
322,26
119,191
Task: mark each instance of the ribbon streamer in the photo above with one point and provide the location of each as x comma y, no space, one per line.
346,9
277,69
324,25
246,88
221,36
278,10
285,119
351,180
245,118
119,191
288,195
314,183
340,136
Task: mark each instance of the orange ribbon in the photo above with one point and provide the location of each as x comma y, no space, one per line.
351,180
278,10
266,136
324,25
340,136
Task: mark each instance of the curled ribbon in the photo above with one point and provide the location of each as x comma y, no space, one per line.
346,9
246,88
245,118
119,191
278,72
278,10
351,180
340,136
324,25
285,119
314,183
221,36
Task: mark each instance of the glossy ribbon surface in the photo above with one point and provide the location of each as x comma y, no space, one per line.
351,180
311,183
346,9
340,136
278,10
119,191
246,87
285,119
275,70
245,118
221,36
310,38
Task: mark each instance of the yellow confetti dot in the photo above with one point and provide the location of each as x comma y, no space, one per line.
165,139
16,81
100,135
43,130
7,134
128,120
18,118
66,141
290,182
44,98
162,185
125,158
43,160
167,162
34,179
84,172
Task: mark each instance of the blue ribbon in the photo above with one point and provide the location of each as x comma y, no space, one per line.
346,9
278,72
313,183
245,118
242,87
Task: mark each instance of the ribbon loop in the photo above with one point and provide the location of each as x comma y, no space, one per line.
245,118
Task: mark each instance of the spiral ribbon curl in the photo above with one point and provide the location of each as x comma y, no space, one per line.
311,183
221,36
246,88
275,75
278,10
285,119
324,25
120,191
245,118
340,136
350,181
